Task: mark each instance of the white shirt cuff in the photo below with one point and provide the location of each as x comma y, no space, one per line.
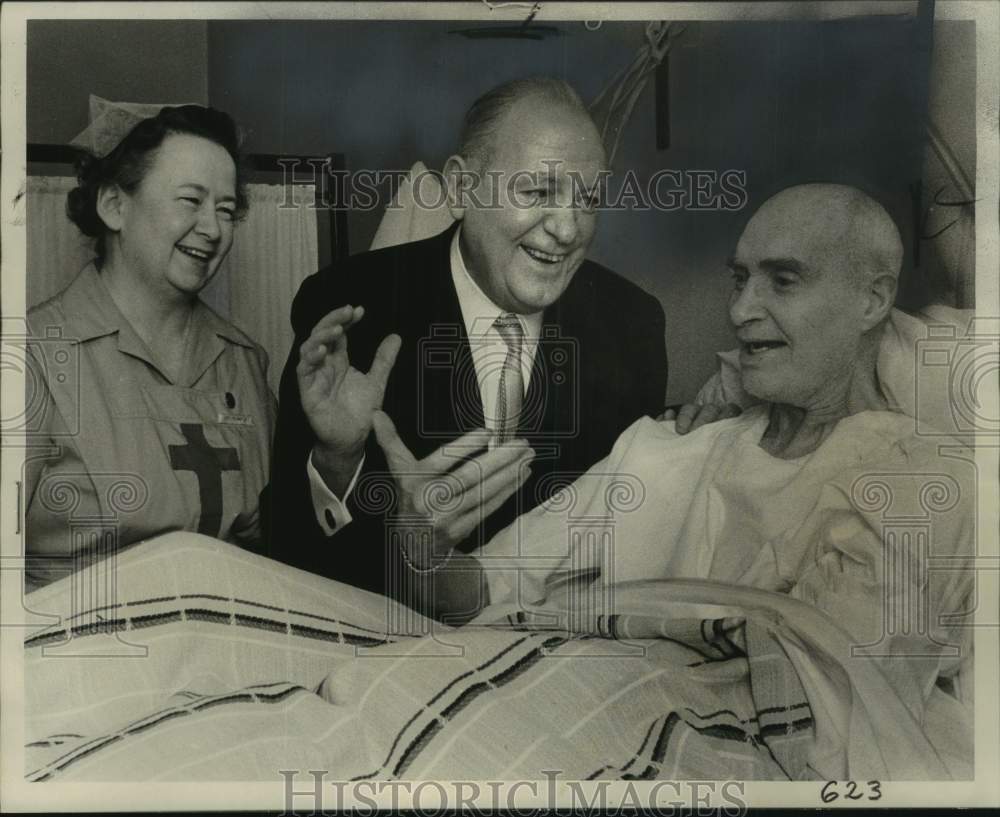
331,512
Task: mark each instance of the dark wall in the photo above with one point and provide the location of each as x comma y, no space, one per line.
122,60
784,102
385,94
787,103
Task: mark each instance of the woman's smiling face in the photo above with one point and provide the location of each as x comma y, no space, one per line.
176,228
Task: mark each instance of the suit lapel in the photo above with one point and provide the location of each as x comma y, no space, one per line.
552,402
448,398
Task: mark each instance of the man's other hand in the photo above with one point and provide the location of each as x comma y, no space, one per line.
455,501
338,399
690,416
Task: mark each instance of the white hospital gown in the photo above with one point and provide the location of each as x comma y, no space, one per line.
866,528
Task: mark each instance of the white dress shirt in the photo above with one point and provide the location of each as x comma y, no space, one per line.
488,348
488,353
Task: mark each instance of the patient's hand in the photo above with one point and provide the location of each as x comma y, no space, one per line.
338,399
692,416
455,501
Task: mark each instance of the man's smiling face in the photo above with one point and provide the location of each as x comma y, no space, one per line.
796,308
528,220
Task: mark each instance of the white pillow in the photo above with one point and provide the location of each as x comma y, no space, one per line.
407,220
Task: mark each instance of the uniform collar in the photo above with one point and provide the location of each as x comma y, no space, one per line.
91,313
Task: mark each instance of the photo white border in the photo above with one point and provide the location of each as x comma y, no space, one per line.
16,794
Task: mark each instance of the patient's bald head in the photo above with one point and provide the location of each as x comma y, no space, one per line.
841,223
816,272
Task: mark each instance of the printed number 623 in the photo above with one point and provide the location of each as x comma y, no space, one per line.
851,790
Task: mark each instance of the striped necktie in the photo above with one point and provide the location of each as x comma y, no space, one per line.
511,392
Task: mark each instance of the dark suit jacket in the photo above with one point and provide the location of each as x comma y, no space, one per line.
601,364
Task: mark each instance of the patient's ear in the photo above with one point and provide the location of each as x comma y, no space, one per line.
880,296
110,201
460,181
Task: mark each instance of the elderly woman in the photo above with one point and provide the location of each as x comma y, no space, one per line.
166,423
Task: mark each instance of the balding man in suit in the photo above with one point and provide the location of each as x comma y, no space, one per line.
492,345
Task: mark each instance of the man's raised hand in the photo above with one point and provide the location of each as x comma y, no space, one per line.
338,399
455,501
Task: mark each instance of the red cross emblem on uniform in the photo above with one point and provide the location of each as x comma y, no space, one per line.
207,463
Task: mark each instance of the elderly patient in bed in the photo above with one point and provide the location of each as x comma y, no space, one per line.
821,493
793,495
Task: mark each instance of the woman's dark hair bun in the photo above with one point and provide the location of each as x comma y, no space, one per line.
81,204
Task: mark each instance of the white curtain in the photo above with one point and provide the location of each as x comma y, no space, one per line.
274,249
57,251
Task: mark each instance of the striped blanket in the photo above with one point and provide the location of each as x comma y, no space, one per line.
192,660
